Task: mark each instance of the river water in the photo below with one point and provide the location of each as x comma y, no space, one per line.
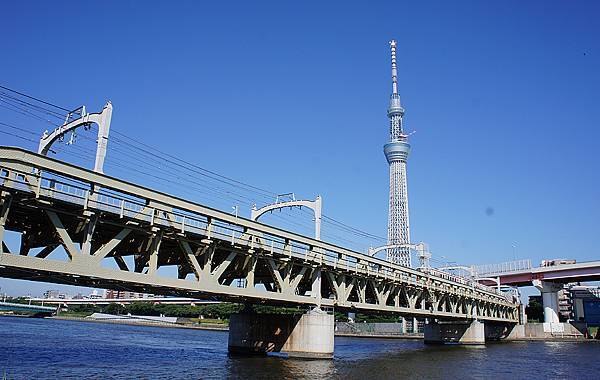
57,349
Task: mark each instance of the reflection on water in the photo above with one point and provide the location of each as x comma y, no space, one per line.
49,349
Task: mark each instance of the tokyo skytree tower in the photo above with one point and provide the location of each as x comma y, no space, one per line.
396,153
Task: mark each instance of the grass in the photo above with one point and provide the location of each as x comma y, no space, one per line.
210,321
81,314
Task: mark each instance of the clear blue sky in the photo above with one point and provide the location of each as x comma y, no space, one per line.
292,96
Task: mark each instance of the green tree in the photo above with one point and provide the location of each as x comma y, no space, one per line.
535,310
113,308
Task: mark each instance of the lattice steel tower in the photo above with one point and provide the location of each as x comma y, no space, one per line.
396,153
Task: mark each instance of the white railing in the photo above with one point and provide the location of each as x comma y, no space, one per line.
500,268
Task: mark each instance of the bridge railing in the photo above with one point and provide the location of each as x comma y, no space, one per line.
60,181
487,270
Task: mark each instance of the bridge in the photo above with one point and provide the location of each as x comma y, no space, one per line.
122,301
36,310
548,280
116,234
561,273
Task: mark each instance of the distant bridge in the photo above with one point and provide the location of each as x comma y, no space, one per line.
548,279
123,301
25,308
560,273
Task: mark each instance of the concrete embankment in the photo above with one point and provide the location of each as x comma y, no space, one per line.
547,332
141,322
374,330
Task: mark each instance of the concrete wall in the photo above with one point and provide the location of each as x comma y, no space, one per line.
503,331
308,335
556,330
455,332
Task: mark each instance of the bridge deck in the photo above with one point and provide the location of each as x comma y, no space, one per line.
120,235
9,306
563,273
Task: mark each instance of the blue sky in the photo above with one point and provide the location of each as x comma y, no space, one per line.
292,97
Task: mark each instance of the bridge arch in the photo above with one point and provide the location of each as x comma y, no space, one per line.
421,249
315,206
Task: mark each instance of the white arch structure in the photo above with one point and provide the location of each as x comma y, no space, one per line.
315,206
102,119
421,248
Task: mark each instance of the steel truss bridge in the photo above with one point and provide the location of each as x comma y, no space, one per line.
122,236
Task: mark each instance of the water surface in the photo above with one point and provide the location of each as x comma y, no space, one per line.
52,349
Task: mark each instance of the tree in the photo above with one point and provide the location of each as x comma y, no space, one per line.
535,310
113,308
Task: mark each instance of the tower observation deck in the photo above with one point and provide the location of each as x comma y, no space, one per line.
396,153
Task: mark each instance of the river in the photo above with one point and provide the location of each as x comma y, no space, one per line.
53,349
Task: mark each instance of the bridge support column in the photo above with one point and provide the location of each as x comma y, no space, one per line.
308,335
549,292
467,332
5,200
404,327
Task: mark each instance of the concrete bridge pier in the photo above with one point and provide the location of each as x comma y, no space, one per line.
307,335
459,332
549,292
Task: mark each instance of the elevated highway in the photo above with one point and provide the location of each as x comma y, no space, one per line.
549,280
561,273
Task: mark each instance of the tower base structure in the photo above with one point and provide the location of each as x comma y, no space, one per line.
309,335
457,332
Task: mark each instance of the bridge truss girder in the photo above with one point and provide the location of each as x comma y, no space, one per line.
124,236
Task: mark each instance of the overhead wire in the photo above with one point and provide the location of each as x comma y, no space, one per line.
12,99
124,143
33,98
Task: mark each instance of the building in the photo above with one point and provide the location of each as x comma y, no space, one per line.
396,152
121,294
94,295
586,304
55,294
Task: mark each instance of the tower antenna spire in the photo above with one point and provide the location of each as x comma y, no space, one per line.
396,152
394,69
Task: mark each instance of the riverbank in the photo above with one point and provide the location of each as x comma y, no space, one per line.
366,331
215,327
380,336
200,326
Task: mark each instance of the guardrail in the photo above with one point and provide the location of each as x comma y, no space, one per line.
500,268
